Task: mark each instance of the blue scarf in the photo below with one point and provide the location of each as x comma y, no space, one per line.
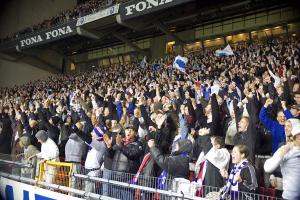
230,182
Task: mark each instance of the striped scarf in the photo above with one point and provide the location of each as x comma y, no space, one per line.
231,183
143,165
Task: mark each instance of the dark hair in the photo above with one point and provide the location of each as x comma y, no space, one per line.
219,140
244,150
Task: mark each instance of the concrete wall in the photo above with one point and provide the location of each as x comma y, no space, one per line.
158,46
17,73
19,14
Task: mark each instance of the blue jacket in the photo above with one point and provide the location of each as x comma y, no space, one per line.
119,110
287,113
277,130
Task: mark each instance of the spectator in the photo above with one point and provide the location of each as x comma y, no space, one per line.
6,131
29,150
74,151
127,155
49,152
215,161
177,164
276,128
287,157
247,128
242,176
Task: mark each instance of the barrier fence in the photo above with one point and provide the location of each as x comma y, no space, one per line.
80,182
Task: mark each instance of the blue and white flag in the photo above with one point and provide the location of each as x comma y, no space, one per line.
144,62
161,181
225,52
180,63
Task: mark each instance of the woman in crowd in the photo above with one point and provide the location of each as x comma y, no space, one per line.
287,157
242,177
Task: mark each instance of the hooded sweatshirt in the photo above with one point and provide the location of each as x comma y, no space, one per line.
74,149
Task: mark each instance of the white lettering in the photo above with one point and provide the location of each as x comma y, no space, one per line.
139,8
152,3
61,31
165,2
48,35
129,9
54,33
69,30
58,32
143,5
32,40
22,43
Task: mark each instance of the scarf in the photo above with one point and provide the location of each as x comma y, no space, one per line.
143,165
230,183
127,141
99,131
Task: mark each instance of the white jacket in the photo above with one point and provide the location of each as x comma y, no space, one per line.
49,151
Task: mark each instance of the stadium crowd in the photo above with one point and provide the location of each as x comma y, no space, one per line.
226,114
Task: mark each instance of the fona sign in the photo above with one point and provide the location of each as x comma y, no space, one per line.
9,194
48,35
145,5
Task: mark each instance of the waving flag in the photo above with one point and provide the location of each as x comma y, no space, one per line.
144,62
225,52
180,63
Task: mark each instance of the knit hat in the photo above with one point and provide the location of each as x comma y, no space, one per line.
41,135
294,121
25,141
128,126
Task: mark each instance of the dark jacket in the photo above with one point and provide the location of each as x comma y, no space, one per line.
213,177
127,157
176,165
52,131
249,181
30,131
248,138
5,134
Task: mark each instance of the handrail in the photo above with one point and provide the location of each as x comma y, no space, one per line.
56,187
19,164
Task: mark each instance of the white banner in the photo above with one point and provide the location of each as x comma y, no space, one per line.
14,190
98,15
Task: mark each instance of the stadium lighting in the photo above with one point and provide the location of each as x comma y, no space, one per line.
171,43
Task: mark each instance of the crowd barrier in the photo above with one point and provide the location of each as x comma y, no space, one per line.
72,179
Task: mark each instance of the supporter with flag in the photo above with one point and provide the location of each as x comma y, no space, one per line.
227,51
180,63
176,165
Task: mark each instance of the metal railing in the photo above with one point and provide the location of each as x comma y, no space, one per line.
73,179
